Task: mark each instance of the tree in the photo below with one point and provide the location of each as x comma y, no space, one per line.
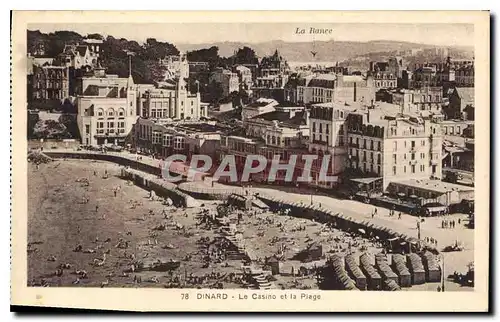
59,39
53,43
154,71
204,55
154,50
36,39
70,122
95,36
215,91
245,55
33,119
50,129
145,66
236,99
210,56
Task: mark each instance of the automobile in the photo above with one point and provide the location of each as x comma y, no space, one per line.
115,148
94,148
86,147
456,247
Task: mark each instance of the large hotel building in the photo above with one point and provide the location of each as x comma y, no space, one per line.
390,146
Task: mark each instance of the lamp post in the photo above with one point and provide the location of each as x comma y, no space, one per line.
442,272
312,192
419,223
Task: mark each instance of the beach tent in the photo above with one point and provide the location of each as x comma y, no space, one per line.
399,266
373,278
416,268
432,268
355,272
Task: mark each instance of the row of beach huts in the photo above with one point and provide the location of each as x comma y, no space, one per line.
380,272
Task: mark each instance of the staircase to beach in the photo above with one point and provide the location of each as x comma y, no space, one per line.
259,279
257,275
238,254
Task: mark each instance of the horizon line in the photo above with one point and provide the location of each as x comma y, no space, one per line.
262,42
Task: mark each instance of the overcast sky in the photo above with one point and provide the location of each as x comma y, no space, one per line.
195,33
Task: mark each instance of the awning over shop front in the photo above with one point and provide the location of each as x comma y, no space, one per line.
432,207
366,180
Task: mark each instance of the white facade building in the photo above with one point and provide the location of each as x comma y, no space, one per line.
382,143
176,66
108,116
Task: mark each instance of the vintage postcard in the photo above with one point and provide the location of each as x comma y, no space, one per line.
251,161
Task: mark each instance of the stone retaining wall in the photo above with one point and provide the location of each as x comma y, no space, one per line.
161,187
208,193
107,157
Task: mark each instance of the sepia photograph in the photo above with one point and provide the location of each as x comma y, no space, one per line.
254,157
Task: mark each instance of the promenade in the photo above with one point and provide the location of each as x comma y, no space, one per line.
355,209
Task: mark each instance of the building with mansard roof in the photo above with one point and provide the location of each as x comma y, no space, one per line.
320,88
50,82
386,145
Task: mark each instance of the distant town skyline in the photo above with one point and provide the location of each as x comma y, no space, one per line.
201,33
